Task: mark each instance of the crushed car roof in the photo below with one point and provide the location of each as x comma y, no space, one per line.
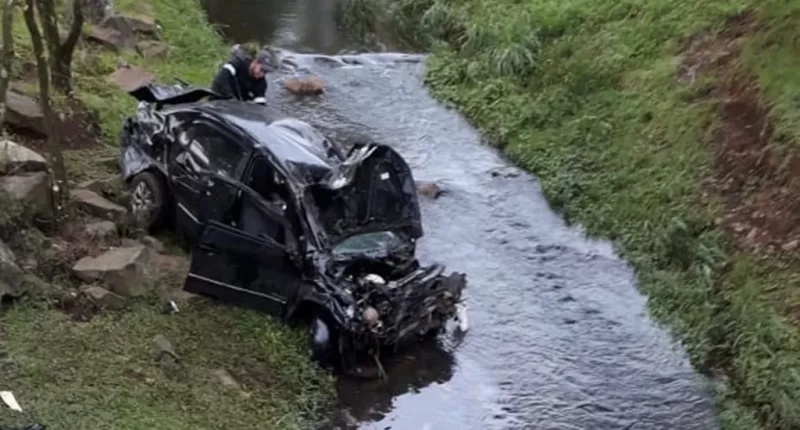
295,143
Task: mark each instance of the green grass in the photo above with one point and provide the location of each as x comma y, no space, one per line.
101,374
584,94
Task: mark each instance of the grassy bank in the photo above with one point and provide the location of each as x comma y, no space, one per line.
671,127
101,373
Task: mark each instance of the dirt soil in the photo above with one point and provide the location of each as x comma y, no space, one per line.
756,176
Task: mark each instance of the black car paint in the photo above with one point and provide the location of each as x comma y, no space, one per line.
332,192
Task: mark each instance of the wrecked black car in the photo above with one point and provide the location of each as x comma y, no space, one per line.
283,220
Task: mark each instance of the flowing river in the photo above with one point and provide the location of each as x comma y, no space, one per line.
559,335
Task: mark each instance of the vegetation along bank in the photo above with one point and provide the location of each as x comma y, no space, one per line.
78,351
669,126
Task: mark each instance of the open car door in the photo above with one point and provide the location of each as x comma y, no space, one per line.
254,264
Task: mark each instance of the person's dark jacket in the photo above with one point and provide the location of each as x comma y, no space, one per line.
233,81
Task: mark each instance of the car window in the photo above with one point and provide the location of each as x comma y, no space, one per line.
207,142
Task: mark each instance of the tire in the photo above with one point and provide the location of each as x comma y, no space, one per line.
149,200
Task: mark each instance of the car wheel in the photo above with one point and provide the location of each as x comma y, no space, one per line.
148,200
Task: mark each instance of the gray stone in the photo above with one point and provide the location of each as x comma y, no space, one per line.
153,49
123,270
15,158
24,112
128,242
98,206
129,78
111,38
12,278
163,349
101,230
32,189
103,298
133,23
100,186
226,379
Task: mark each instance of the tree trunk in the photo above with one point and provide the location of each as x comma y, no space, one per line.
8,54
55,155
60,53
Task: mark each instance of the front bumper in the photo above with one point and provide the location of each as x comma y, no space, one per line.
415,305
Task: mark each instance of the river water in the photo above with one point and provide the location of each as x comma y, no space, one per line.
559,338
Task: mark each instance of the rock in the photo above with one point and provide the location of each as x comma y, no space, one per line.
24,112
123,270
133,23
101,230
163,349
791,246
128,242
309,86
98,206
226,379
16,158
12,278
506,172
153,243
153,49
111,39
130,78
429,189
32,189
103,298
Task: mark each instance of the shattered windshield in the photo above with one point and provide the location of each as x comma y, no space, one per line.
369,244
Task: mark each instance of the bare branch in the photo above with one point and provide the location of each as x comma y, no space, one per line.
68,47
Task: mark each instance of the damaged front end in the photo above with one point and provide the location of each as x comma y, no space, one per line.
393,301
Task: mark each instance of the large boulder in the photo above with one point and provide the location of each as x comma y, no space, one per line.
17,158
96,205
24,112
32,189
123,270
12,278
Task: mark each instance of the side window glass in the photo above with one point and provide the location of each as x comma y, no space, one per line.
222,154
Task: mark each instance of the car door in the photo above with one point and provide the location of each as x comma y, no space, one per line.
252,267
204,152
